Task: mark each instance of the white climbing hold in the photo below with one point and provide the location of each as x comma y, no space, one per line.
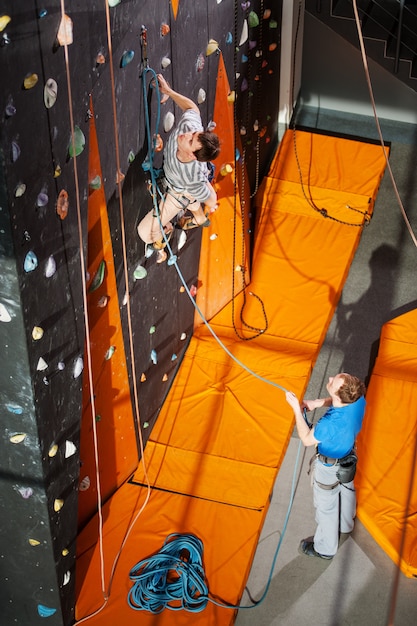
42,365
50,268
182,239
169,120
70,449
165,62
201,96
78,367
4,314
245,32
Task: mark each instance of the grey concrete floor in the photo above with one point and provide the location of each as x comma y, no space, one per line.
361,585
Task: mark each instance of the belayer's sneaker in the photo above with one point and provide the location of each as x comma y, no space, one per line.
187,223
307,547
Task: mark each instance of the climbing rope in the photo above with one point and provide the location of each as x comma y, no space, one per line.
174,577
308,197
240,266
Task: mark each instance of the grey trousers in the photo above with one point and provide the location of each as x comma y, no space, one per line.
335,508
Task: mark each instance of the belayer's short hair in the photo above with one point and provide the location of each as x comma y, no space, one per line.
351,390
210,146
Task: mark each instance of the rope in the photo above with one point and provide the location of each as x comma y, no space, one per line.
174,577
371,95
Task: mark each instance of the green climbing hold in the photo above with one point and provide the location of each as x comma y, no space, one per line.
95,183
253,19
77,143
99,277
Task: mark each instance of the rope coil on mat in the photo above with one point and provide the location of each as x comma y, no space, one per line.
171,579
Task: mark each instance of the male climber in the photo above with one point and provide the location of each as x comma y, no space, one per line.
188,150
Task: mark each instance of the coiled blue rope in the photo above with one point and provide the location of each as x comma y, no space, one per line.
171,579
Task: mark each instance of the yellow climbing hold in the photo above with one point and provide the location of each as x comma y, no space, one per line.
30,81
231,97
58,504
37,333
212,46
226,169
4,20
65,552
34,542
53,450
18,438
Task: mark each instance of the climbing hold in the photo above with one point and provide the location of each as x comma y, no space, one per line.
64,35
244,85
131,156
110,353
34,542
30,81
143,378
4,20
226,169
42,199
273,24
199,64
66,578
127,57
165,62
256,126
252,44
15,151
10,109
145,424
211,126
182,239
245,33
201,97
154,357
70,449
53,450
102,302
16,409
158,143
253,19
37,333
45,611
78,367
58,504
18,438
30,262
77,142
231,96
193,291
98,277
212,47
100,59
57,171
25,492
85,484
164,30
119,177
20,190
272,47
174,357
4,314
62,204
213,237
182,289
169,120
113,3
152,330
229,38
183,336
244,58
98,418
50,268
267,14
140,272
42,13
65,552
164,378
95,183
42,365
50,93
242,130
61,366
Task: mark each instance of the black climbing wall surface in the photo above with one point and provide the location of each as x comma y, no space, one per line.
42,326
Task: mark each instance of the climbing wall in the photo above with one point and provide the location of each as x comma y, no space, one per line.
72,191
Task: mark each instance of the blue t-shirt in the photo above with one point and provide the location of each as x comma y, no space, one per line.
337,429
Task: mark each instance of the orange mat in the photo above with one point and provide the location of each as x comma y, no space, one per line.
222,433
387,446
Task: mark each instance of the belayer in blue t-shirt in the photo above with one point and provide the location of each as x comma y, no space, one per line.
334,436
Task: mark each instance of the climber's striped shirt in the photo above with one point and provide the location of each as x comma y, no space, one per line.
190,177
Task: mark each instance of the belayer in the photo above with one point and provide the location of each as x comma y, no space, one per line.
334,436
186,174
